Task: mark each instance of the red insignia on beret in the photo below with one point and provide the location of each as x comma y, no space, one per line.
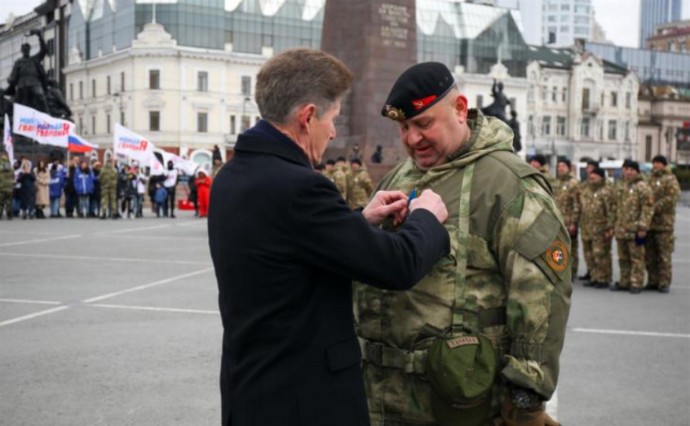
421,103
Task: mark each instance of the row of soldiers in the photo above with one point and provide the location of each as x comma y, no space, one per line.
352,180
639,212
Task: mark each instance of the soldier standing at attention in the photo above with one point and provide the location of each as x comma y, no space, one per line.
634,209
109,190
566,194
339,177
6,186
597,228
359,185
539,162
498,303
591,166
660,240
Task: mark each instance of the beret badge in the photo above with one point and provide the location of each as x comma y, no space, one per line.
394,113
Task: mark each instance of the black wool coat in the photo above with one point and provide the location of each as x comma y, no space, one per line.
286,248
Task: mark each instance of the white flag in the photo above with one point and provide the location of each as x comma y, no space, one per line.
188,167
41,127
129,144
7,140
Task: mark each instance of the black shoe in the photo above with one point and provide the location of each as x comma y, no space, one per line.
103,217
602,285
589,284
651,286
172,216
585,276
664,289
617,287
635,290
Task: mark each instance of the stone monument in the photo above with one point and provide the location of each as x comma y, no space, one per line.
377,40
28,80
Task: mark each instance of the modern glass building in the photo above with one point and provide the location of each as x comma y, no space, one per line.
652,67
655,12
453,32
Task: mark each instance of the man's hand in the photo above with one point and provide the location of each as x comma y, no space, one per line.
641,234
431,201
513,416
385,204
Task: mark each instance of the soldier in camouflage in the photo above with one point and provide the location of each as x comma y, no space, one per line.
597,227
339,177
6,186
508,275
329,169
565,192
108,179
538,161
591,166
634,208
359,185
660,237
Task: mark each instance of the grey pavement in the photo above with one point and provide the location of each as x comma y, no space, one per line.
116,323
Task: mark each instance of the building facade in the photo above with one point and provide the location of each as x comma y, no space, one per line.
663,113
656,12
579,105
671,37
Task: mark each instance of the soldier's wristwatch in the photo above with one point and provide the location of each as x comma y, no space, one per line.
525,399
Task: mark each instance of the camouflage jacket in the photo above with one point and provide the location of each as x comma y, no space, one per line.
634,208
566,193
359,188
666,191
108,177
339,178
597,209
517,278
6,175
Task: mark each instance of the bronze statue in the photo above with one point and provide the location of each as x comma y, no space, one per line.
56,102
28,79
498,106
515,127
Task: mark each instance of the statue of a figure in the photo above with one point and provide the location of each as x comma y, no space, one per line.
498,106
28,79
515,127
56,102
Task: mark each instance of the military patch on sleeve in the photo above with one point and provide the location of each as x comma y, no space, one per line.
556,256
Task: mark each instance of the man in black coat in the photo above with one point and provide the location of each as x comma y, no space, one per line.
286,248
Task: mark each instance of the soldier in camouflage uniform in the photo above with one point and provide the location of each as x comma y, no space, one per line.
328,169
634,209
339,177
508,275
660,238
565,192
591,166
6,186
597,227
359,185
108,179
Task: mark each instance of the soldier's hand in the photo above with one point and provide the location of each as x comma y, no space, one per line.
514,416
385,204
641,234
431,201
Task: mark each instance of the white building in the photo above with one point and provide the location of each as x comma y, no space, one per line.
183,99
662,113
579,105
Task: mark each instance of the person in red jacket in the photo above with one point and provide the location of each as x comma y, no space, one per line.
203,188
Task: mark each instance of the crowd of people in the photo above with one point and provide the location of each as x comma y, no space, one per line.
87,188
638,211
351,178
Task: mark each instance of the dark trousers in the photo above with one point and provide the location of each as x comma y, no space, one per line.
71,200
170,203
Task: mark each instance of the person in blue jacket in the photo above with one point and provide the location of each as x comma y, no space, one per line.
83,183
57,183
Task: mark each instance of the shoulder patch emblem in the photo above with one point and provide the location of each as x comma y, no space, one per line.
556,256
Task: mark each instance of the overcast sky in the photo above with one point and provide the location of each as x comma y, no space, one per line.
619,18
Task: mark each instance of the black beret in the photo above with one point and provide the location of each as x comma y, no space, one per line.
417,89
660,159
600,172
564,161
539,158
356,161
330,162
341,158
631,164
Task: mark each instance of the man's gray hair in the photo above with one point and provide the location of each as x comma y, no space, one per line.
297,77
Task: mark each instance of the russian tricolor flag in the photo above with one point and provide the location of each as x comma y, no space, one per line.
77,144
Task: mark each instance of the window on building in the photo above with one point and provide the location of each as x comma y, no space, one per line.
552,35
614,99
246,85
553,7
233,125
628,100
581,31
81,125
154,121
202,122
584,127
81,90
202,81
246,123
648,147
565,7
554,94
154,79
563,94
565,18
107,85
551,18
560,126
544,90
122,82
530,125
480,101
612,130
546,125
93,124
71,91
565,28
627,131
93,87
585,98
107,123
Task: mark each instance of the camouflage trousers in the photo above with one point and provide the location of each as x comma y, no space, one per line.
631,263
6,203
397,398
108,199
658,255
574,255
599,262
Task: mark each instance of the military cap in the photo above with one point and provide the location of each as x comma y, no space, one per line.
631,164
539,158
356,161
660,159
564,161
330,162
341,158
600,172
417,89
